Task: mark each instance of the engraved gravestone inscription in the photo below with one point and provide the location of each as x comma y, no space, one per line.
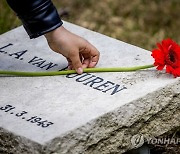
42,109
93,81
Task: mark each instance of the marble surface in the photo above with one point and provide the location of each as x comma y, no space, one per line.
51,111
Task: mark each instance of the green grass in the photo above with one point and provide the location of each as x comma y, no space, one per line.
8,19
138,22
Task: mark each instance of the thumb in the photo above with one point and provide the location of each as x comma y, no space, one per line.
76,62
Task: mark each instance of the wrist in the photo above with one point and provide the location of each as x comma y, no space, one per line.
56,33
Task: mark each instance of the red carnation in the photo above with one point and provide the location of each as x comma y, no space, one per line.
167,54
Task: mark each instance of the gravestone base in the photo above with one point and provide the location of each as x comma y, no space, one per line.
113,132
82,114
159,114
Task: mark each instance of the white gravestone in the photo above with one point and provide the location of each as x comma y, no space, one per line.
88,113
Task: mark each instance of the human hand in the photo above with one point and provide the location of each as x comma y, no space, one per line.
79,52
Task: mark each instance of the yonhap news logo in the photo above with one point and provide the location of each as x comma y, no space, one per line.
164,141
139,139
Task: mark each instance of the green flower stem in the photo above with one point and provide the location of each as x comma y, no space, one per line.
86,70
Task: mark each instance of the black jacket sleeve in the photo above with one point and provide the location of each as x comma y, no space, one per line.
38,16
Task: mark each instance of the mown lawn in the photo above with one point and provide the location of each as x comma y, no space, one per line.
8,19
139,22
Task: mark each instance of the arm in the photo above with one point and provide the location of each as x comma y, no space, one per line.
40,17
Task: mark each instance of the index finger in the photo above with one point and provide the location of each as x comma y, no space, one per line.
95,54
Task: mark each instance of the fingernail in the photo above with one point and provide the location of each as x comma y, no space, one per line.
79,70
93,64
